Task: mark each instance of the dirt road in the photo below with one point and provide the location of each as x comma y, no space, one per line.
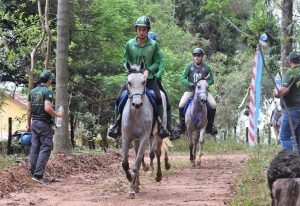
210,184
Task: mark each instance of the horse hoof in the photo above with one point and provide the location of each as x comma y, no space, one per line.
158,178
137,189
129,178
131,195
199,163
167,166
146,168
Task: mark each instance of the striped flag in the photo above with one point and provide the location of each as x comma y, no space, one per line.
255,93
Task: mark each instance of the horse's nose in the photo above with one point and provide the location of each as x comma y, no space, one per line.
137,106
203,100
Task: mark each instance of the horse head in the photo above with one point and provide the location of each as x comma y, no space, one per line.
201,89
136,83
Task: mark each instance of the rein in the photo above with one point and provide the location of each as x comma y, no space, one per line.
130,96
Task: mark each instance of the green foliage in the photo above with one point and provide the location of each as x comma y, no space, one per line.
20,32
11,160
212,145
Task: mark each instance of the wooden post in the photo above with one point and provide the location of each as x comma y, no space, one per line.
9,150
247,130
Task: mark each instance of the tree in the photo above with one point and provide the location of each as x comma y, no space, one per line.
286,31
61,139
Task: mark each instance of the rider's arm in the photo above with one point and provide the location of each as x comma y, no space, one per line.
210,79
288,80
184,76
161,68
126,55
155,63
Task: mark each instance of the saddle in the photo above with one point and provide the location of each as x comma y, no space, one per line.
124,97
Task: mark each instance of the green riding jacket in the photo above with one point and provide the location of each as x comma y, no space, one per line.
191,73
149,52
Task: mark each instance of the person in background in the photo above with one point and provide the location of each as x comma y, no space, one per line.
290,93
39,122
189,78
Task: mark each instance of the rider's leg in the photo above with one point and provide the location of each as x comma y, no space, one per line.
183,100
169,114
114,132
210,125
152,84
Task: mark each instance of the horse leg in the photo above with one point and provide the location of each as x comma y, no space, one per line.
153,146
125,164
158,154
190,138
167,163
196,142
138,159
145,165
201,141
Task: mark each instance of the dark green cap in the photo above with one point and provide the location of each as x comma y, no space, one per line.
293,55
46,75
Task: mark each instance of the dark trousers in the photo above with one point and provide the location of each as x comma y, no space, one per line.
164,91
41,146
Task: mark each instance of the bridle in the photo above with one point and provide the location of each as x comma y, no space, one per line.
130,96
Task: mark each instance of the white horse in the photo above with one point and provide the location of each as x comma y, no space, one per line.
137,126
196,119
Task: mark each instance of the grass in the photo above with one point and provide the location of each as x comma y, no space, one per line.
11,160
213,146
252,188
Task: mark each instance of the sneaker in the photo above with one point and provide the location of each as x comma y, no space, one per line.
40,180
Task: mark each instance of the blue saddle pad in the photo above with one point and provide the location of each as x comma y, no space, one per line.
125,95
189,102
187,105
151,98
124,98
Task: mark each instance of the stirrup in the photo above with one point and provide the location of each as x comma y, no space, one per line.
213,131
162,133
114,131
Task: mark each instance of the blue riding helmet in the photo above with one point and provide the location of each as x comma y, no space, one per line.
263,37
152,35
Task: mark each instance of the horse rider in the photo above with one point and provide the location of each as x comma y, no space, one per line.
142,48
158,76
290,93
191,73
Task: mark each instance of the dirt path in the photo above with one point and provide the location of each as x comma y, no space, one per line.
211,184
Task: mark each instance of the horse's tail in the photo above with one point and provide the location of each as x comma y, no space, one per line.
166,144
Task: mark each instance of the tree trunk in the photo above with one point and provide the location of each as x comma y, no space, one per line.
62,141
286,32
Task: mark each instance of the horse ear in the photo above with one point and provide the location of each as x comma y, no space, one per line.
207,76
142,65
128,65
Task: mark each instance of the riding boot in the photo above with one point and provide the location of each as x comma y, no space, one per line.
114,132
210,125
162,132
181,126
